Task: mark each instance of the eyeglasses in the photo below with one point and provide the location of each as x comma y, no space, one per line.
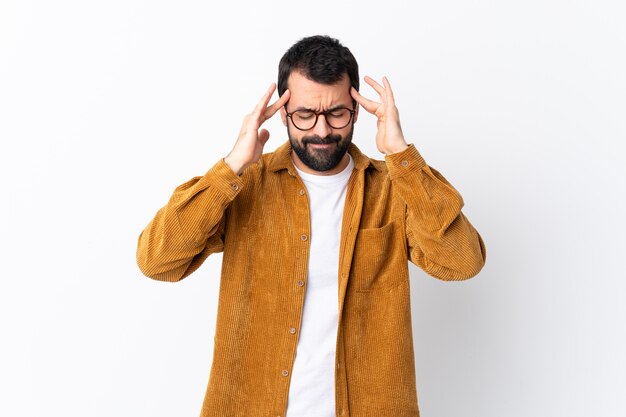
307,119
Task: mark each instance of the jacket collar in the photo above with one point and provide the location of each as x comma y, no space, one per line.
281,158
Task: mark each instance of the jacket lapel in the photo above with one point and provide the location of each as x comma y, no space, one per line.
349,228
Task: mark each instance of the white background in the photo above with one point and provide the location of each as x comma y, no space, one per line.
105,107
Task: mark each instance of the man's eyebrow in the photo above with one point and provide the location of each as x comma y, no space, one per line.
335,107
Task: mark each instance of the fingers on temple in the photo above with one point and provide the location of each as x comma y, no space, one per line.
269,112
367,104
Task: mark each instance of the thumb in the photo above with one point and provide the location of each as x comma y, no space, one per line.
264,135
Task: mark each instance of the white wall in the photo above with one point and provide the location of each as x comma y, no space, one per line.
105,107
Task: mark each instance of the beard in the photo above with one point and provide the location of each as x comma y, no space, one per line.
321,159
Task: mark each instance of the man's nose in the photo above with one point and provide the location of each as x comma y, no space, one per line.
321,128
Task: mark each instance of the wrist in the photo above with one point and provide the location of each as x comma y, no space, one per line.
236,166
396,148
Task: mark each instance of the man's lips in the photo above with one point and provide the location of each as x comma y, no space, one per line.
321,145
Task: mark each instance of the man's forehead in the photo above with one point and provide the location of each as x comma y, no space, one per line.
306,92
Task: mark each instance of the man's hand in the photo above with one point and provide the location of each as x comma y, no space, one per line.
249,146
389,138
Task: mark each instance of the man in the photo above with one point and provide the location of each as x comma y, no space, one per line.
314,315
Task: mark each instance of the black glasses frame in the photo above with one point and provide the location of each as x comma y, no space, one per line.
325,113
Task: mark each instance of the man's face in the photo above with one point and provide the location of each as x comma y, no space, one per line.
321,148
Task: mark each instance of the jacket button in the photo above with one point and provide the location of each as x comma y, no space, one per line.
292,330
301,191
285,372
404,163
300,282
235,187
303,237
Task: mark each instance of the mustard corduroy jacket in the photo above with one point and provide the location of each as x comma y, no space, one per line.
396,210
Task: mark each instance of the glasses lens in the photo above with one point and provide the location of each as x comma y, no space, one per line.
338,118
303,119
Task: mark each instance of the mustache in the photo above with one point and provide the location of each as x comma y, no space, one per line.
316,139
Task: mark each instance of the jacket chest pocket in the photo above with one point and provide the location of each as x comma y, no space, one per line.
376,263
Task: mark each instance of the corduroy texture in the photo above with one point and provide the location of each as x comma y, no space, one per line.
396,210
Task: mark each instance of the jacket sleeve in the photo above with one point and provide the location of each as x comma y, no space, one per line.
190,226
440,239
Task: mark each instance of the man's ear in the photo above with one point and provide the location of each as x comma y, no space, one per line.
283,115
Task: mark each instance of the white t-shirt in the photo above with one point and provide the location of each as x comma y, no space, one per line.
312,387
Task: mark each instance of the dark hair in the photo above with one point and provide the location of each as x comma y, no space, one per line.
319,58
